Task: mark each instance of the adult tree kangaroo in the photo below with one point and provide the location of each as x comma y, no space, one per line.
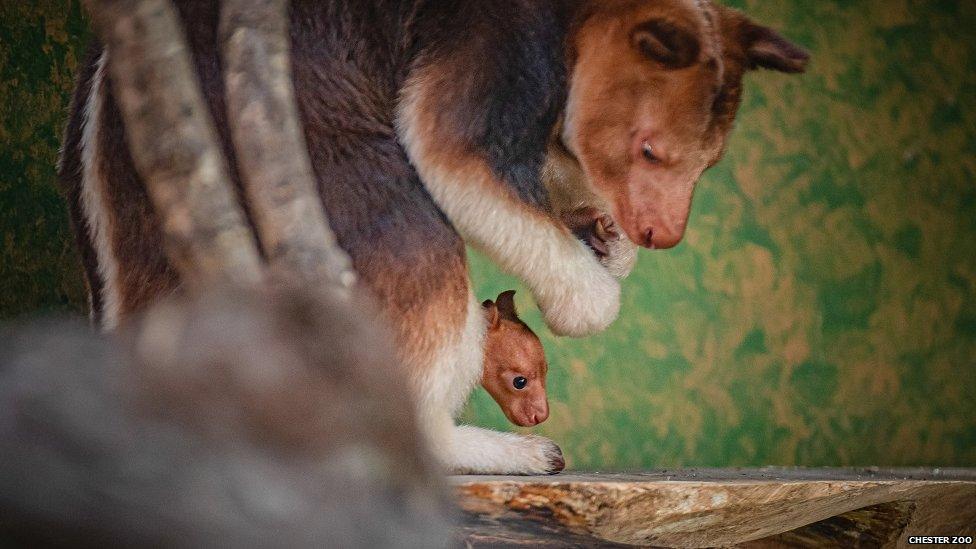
430,124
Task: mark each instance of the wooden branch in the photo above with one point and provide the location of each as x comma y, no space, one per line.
271,148
718,508
173,142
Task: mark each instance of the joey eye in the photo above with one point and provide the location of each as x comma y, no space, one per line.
520,382
647,151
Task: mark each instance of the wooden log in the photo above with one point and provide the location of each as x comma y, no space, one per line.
875,526
173,142
271,150
708,508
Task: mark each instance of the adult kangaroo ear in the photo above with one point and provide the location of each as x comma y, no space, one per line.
666,42
506,305
766,48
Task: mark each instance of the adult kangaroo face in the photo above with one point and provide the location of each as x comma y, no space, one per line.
654,89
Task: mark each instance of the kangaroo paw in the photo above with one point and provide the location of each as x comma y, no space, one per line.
483,452
599,231
540,456
583,300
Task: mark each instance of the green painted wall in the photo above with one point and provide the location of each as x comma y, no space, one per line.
40,48
822,310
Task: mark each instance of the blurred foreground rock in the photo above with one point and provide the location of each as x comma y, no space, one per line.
244,420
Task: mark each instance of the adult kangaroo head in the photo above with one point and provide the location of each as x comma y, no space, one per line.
654,89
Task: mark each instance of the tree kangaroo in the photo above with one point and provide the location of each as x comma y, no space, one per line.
430,124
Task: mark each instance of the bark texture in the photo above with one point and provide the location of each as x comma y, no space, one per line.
271,149
770,507
173,142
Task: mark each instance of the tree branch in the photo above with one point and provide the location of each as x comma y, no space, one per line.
271,148
173,142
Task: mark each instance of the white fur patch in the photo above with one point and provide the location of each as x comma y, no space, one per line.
473,450
577,295
94,203
621,257
454,372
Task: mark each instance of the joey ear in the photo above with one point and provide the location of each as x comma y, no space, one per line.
766,48
491,313
666,43
506,305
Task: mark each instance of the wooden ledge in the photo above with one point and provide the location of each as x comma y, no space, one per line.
769,507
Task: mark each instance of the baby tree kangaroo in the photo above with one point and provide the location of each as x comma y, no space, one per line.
515,364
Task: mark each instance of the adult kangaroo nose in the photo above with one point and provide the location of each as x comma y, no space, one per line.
661,239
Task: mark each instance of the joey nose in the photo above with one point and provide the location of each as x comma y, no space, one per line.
541,414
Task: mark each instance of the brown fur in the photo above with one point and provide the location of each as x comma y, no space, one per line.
674,70
144,273
685,98
427,122
512,350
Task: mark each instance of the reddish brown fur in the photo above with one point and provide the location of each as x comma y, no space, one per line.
512,350
667,73
426,121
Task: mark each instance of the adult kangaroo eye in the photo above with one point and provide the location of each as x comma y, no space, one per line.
520,382
648,152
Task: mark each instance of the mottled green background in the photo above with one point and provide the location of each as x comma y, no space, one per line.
821,311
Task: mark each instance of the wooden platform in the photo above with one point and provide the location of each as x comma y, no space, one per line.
770,507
